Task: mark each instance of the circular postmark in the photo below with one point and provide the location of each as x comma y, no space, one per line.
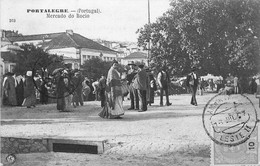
11,158
229,119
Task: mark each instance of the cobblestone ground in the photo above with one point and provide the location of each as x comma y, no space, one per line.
172,135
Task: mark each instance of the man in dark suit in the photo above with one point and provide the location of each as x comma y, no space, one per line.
164,81
133,92
141,84
192,83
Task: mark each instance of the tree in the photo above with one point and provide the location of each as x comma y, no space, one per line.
35,59
95,67
220,37
165,47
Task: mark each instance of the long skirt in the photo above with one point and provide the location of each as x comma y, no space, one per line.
65,103
109,112
30,100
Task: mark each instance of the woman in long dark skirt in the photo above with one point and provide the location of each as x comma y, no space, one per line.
43,93
29,91
61,93
19,90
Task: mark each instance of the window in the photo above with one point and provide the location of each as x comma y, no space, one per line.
84,57
88,56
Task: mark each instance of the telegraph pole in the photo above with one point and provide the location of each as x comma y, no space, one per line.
149,46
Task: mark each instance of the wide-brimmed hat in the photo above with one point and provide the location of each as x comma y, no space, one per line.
131,63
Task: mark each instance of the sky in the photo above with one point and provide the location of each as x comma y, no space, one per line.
118,20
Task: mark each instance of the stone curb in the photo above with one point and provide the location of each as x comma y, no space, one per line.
16,145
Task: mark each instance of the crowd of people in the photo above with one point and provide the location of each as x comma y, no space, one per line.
31,89
139,83
69,88
231,85
19,90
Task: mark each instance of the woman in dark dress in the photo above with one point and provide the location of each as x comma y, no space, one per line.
29,91
60,92
19,90
43,93
63,92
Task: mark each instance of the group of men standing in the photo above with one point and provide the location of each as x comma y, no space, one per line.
142,86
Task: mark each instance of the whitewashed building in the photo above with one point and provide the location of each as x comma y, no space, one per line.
73,47
136,57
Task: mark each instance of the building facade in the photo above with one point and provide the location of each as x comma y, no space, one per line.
140,57
73,47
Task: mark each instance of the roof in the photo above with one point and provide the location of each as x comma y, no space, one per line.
34,37
65,40
136,55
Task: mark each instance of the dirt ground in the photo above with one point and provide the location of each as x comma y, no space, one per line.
172,135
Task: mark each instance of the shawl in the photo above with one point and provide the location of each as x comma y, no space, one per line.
114,83
113,78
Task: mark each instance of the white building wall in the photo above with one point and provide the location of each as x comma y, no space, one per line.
127,61
90,53
70,52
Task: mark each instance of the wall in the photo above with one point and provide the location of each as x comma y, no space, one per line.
126,61
90,53
70,52
20,145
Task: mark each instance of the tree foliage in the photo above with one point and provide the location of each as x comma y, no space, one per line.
35,59
94,68
220,37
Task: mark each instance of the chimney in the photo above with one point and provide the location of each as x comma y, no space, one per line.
69,32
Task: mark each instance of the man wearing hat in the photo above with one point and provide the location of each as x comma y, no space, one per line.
163,81
133,92
140,83
192,82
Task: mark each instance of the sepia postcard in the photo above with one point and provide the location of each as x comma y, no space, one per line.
130,82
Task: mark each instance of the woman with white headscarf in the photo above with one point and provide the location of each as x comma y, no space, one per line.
29,91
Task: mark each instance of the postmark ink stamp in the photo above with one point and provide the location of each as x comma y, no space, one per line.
231,123
229,119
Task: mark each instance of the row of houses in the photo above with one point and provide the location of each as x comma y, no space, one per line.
73,47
